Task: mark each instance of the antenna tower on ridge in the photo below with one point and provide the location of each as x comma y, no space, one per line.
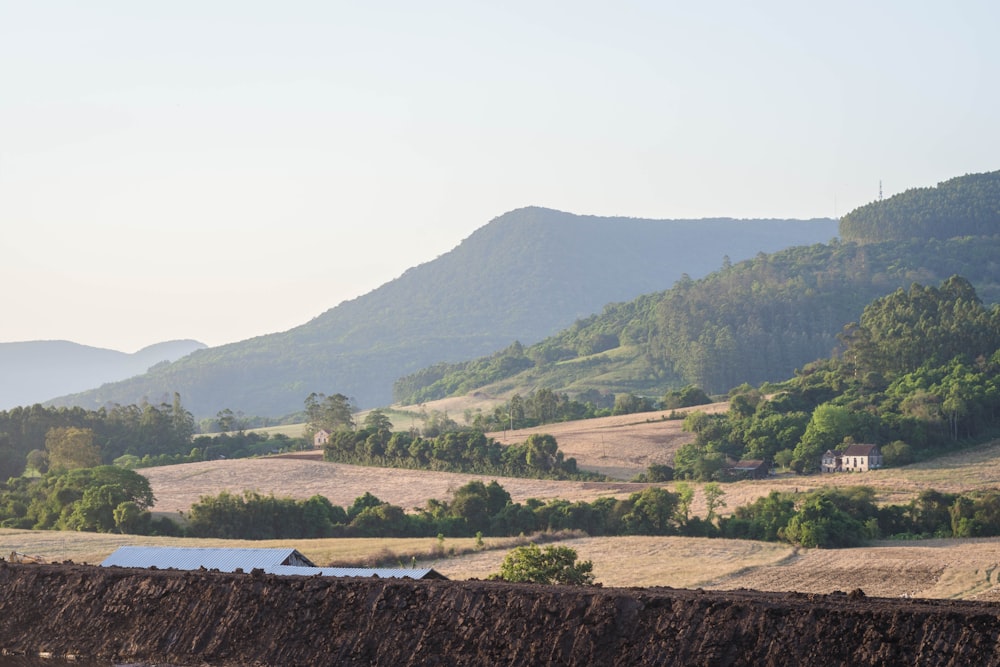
880,189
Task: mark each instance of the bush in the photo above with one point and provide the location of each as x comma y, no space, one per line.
551,565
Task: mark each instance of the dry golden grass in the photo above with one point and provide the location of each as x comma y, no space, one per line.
621,446
956,569
965,569
304,474
680,562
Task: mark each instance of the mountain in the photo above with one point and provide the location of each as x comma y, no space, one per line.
754,321
523,276
34,371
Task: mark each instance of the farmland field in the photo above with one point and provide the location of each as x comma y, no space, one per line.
623,445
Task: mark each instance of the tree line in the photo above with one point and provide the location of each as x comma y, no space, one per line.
454,451
849,517
112,499
544,406
827,518
137,430
474,508
99,499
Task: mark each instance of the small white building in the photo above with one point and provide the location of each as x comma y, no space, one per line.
856,458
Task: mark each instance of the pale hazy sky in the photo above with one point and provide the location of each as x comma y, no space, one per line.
221,170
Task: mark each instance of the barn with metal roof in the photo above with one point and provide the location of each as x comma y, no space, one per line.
285,561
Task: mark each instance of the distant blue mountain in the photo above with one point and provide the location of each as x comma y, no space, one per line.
35,371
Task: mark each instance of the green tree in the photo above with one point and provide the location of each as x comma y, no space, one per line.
685,496
763,519
821,523
829,426
653,512
38,461
713,499
225,420
897,453
378,422
128,517
361,503
477,503
331,413
70,448
551,565
542,452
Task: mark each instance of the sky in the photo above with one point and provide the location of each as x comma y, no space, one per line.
219,170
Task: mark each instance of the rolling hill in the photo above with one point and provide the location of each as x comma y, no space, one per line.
523,276
752,321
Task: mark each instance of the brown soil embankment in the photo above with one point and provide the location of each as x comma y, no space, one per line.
195,618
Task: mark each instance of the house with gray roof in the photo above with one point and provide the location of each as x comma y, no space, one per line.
855,458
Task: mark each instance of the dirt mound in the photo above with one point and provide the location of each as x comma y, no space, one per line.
254,619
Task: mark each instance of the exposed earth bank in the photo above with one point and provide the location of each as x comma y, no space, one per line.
195,618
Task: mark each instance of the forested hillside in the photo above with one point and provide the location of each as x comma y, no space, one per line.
919,375
522,277
751,322
964,206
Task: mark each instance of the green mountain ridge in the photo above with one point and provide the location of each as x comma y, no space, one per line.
754,321
523,276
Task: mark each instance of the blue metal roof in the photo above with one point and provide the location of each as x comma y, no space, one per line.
272,561
382,573
192,558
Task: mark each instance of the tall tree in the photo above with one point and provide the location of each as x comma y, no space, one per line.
331,413
70,448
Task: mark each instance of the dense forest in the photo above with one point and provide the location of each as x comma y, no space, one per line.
130,436
523,276
919,375
964,206
112,432
753,321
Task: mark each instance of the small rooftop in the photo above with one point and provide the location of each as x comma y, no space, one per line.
859,450
284,561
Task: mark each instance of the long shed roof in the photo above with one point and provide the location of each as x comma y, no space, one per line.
192,558
382,573
286,561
